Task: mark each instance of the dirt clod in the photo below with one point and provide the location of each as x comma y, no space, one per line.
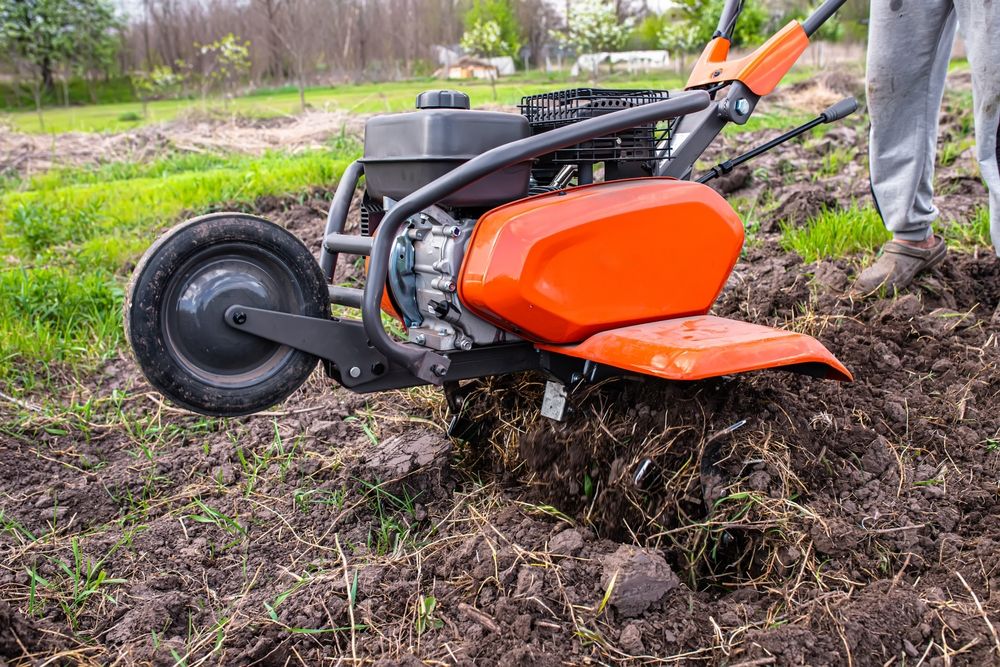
417,462
637,578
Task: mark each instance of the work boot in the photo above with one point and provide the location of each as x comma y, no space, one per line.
897,265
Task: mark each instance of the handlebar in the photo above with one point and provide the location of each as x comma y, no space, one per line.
821,15
733,8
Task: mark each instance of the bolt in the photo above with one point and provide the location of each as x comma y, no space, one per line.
743,106
438,370
239,317
451,287
465,344
355,372
420,339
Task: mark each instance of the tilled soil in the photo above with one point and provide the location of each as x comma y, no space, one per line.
760,519
27,154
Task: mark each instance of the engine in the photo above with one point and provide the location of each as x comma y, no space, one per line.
405,151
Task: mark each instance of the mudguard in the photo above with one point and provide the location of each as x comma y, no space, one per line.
705,346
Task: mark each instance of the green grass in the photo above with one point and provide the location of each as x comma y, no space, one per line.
19,97
355,98
68,239
835,233
362,98
968,234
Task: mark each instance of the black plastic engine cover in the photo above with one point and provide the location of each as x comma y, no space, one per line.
405,151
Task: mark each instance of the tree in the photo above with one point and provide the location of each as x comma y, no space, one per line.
290,31
229,63
594,26
34,34
97,40
680,38
484,38
500,12
703,15
160,83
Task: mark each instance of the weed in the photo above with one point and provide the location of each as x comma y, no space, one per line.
219,519
389,533
425,615
835,233
835,161
84,578
970,234
278,452
304,499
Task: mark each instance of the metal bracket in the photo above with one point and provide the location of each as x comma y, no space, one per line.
554,404
342,342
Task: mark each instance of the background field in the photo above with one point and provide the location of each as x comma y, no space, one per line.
853,523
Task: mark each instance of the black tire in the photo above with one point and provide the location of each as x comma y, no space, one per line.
182,286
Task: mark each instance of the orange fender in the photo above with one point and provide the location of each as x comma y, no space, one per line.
705,346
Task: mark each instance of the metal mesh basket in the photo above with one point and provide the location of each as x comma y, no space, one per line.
642,143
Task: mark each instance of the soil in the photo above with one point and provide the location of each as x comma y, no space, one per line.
759,519
26,154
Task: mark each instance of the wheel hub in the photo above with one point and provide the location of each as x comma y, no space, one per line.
196,333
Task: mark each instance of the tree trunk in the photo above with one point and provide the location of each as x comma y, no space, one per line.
47,81
65,90
36,90
302,83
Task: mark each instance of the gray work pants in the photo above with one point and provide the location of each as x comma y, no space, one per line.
909,46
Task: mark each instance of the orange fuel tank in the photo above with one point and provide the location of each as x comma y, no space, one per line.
560,267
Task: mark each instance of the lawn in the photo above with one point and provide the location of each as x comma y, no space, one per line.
354,98
68,238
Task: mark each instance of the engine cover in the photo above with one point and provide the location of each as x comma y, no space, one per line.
560,267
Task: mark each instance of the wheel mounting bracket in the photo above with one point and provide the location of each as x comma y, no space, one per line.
342,342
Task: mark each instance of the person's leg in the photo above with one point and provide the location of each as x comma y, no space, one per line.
979,23
909,46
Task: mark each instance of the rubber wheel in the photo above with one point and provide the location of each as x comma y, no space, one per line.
179,293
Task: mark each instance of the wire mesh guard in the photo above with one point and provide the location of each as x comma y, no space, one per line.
641,143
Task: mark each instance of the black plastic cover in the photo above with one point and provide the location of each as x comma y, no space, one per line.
405,151
442,99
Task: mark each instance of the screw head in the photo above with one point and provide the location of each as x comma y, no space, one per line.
355,372
438,370
742,106
239,317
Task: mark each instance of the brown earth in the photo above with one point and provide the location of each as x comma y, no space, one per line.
27,154
840,524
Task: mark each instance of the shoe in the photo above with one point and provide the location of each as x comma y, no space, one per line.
897,265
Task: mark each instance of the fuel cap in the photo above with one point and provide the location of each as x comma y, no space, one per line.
442,99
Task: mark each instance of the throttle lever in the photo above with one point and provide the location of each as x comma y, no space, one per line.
834,112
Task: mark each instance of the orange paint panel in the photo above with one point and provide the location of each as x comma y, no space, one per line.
695,348
560,267
761,70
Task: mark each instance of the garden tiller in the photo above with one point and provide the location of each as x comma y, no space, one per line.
569,238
